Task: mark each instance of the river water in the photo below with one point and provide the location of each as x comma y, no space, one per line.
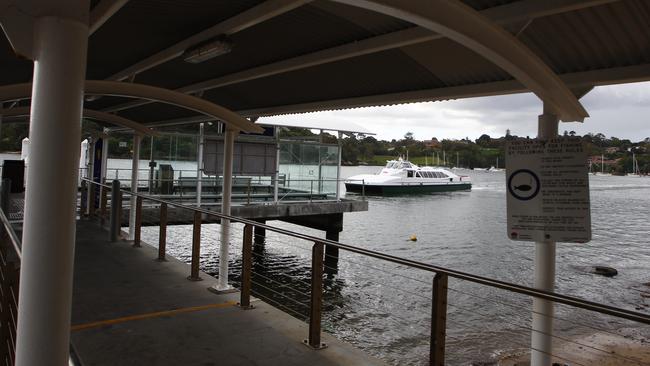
385,309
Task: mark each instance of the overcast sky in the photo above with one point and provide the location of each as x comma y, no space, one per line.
621,110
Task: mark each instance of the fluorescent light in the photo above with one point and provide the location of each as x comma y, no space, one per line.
207,50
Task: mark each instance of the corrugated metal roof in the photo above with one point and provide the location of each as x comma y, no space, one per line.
599,37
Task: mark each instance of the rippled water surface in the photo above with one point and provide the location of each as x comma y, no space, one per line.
385,309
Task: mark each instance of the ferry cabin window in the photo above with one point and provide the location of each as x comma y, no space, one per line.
409,174
406,166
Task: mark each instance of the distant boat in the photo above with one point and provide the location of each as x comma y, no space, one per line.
403,177
496,169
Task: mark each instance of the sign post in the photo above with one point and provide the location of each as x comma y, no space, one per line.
548,201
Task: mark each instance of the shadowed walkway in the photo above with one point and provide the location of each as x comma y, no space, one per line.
131,310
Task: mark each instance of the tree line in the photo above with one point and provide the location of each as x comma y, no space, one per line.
487,151
483,152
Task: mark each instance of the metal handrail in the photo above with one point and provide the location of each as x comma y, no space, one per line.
547,295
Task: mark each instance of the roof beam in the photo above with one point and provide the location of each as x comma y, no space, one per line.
132,90
621,75
102,12
466,26
505,14
93,114
246,19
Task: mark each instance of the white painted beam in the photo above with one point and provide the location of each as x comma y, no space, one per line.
102,12
120,89
505,14
246,19
93,114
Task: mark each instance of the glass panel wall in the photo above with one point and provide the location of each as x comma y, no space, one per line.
308,170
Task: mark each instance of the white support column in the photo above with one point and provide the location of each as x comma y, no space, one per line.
228,150
135,166
103,179
542,340
277,165
90,168
199,164
338,168
48,241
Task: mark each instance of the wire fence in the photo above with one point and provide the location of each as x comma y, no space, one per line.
389,306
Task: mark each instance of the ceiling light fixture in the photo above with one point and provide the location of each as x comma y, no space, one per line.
208,50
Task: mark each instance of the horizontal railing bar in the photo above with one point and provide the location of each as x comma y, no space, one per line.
546,295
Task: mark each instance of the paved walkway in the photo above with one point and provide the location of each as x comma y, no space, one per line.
131,310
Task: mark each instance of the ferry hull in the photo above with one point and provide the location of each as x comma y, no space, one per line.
388,190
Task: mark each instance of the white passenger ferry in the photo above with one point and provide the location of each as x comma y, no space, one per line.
403,177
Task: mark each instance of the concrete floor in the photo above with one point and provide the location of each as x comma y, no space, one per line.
131,310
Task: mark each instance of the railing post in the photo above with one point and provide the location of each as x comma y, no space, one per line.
83,199
90,199
162,239
196,248
246,267
248,193
116,203
316,303
438,320
138,222
363,189
103,201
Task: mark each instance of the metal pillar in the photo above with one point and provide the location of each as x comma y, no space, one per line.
152,165
228,150
276,176
259,236
90,174
44,307
103,178
135,165
338,168
199,165
541,338
330,251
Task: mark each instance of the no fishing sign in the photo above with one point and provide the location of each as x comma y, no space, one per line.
548,190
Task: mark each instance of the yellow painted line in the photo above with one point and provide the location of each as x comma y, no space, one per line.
156,314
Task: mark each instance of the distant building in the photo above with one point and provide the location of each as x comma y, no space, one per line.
611,150
432,144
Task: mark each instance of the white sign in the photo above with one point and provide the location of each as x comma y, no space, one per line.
122,144
548,190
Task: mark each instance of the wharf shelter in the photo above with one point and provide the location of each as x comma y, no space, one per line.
150,63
